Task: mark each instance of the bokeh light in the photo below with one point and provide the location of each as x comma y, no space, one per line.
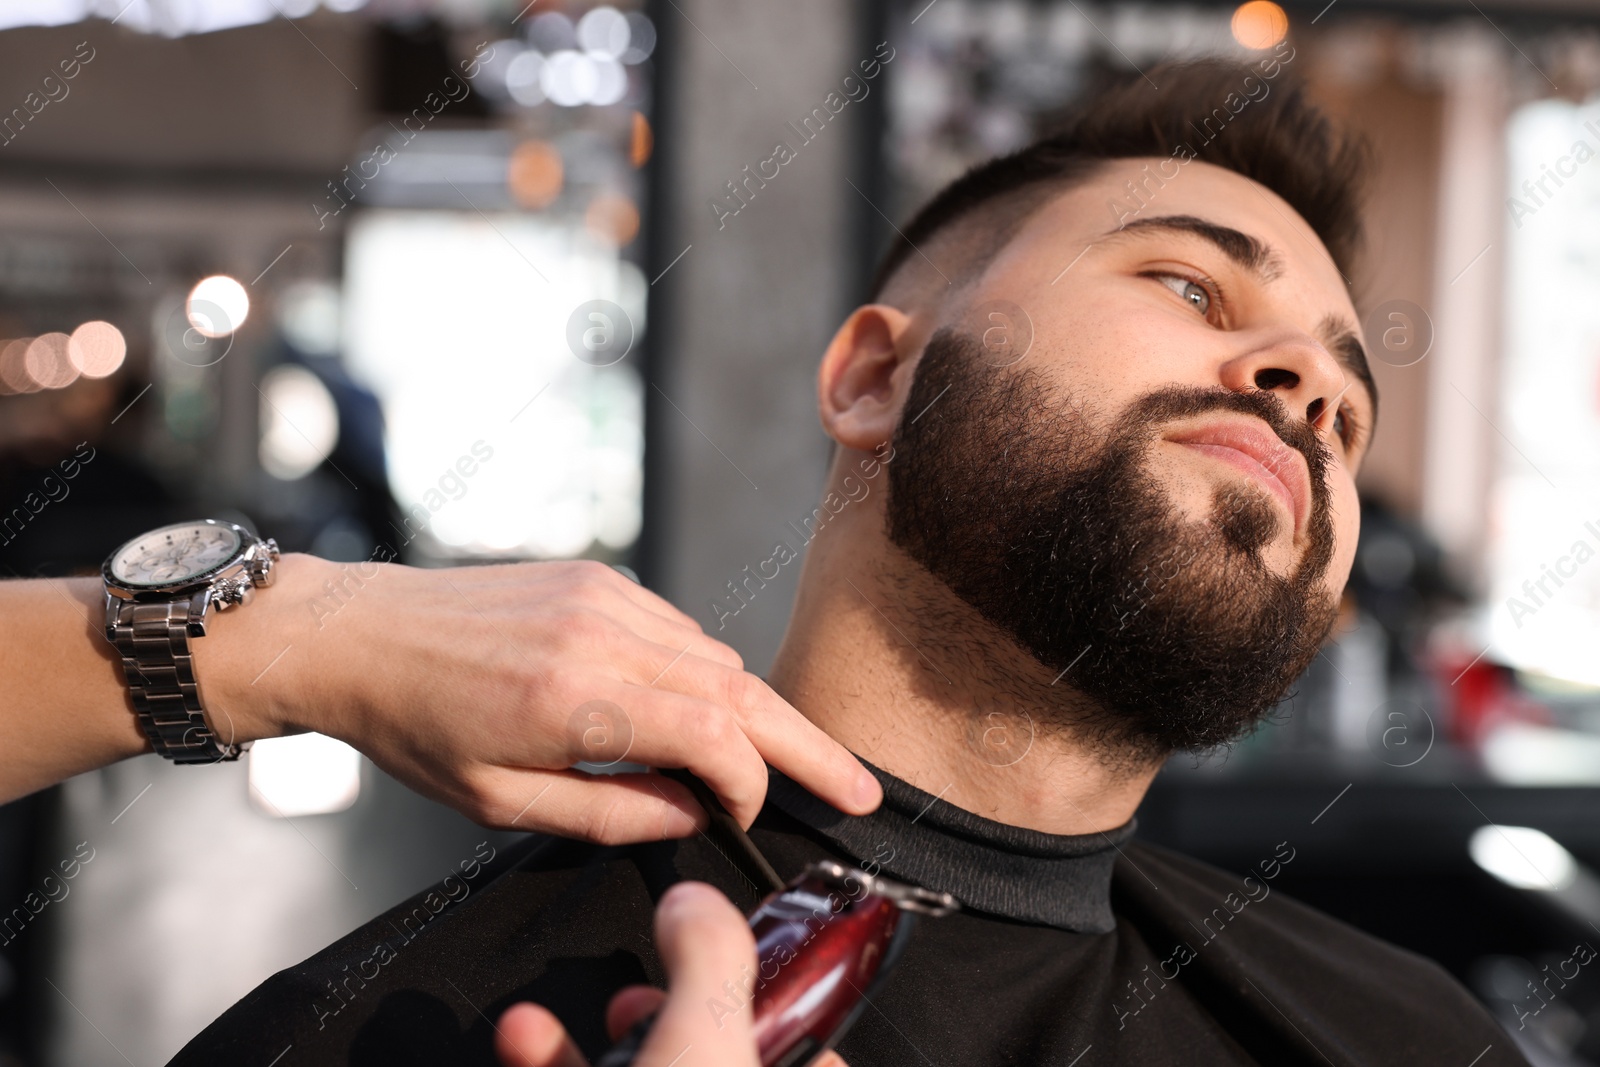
569,78
611,81
641,38
551,32
612,218
97,349
217,306
572,65
47,363
1523,857
13,372
535,174
522,78
299,422
642,141
604,32
1259,24
310,314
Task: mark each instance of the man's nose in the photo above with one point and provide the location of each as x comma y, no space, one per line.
1295,368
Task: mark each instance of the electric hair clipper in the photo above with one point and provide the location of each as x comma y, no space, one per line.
824,943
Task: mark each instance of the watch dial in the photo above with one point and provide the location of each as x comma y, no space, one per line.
174,554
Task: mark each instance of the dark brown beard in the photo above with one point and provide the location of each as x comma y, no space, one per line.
1176,631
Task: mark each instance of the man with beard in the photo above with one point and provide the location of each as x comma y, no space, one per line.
1124,537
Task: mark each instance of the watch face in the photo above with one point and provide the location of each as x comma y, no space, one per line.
174,554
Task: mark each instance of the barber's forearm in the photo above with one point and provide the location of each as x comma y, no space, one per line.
65,708
480,687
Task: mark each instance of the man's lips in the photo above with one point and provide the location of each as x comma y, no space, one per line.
1250,446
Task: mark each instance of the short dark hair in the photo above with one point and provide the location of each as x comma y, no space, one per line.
1279,139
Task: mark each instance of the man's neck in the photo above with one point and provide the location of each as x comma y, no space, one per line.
882,656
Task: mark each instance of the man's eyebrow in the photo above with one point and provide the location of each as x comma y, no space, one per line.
1251,253
1339,338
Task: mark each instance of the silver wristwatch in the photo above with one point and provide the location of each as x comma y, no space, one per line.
159,587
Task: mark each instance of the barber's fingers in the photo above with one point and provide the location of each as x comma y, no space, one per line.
778,733
704,941
673,730
607,809
527,1035
797,746
714,735
647,657
638,1001
631,1004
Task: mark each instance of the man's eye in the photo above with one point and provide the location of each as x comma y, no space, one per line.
1193,293
1347,425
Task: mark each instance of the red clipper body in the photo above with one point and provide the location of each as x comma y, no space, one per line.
824,943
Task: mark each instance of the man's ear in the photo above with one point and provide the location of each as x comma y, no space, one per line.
864,377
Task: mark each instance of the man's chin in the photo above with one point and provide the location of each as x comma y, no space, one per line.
1295,561
1282,559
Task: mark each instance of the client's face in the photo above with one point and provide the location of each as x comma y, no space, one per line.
1158,500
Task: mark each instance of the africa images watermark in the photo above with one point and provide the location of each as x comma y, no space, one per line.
740,191
452,890
353,577
384,152
1566,567
1583,953
53,890
1580,153
53,88
1184,954
744,592
55,490
452,485
1140,193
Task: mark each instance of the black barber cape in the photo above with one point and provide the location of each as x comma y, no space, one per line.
1069,950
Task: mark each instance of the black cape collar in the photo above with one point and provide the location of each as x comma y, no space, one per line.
1053,879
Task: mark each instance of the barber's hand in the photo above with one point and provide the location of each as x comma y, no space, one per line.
482,686
703,942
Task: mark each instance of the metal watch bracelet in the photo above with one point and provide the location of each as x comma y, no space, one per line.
153,640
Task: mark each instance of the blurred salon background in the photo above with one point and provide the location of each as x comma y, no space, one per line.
303,265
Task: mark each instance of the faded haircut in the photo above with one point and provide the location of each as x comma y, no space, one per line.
1252,119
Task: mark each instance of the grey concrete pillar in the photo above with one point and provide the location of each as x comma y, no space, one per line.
742,318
